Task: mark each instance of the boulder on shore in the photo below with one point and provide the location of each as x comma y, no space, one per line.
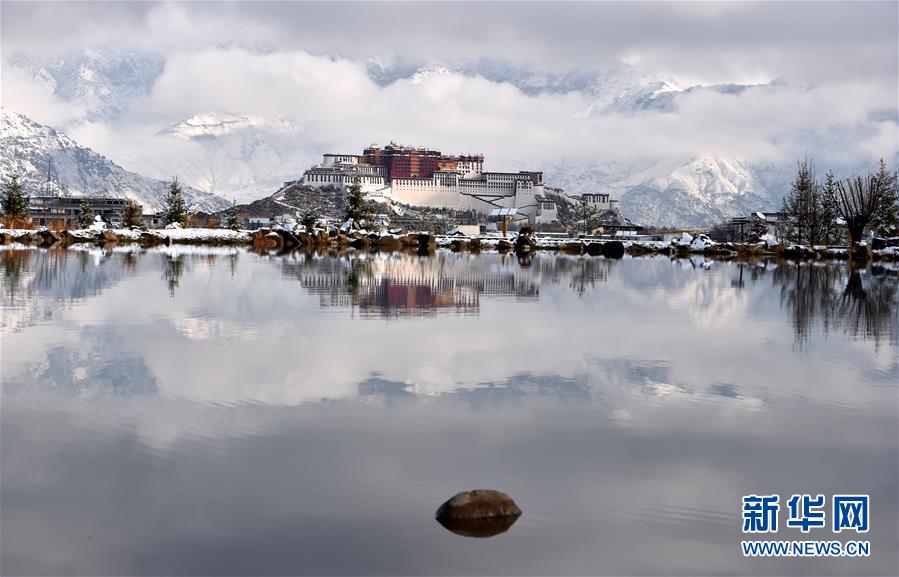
409,240
458,245
613,249
575,247
389,243
594,248
525,243
426,242
361,243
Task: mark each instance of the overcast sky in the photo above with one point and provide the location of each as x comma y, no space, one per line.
829,70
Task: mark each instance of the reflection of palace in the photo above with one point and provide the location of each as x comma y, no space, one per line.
410,286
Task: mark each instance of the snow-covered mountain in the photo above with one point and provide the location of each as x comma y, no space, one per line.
104,80
30,149
244,156
696,192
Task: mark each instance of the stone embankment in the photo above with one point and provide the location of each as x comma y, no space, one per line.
281,239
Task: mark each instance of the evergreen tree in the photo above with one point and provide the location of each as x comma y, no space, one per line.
132,214
355,204
15,203
830,233
886,218
309,219
233,221
798,204
586,215
86,216
757,229
811,207
175,209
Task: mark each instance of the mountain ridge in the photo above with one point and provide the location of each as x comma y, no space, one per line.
29,149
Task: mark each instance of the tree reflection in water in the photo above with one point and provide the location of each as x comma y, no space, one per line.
861,302
172,269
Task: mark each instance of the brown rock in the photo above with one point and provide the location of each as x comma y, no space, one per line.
572,247
50,237
479,528
361,243
426,242
273,241
524,243
613,249
594,248
388,243
477,504
458,245
409,240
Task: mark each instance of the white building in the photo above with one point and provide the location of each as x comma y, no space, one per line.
547,211
342,175
453,182
600,201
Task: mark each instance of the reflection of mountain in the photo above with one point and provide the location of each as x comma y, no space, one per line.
861,303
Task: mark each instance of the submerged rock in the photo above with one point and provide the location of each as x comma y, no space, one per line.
480,528
478,513
478,504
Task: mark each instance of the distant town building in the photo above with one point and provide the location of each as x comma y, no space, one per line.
775,223
547,211
256,222
65,211
600,201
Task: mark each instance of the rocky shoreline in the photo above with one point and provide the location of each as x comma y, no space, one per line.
280,239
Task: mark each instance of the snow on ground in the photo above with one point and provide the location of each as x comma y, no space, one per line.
205,234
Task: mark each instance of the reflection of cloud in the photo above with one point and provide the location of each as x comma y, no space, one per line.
343,487
206,328
100,368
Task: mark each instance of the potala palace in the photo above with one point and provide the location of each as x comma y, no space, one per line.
421,176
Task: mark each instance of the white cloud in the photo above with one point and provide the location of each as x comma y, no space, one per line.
21,92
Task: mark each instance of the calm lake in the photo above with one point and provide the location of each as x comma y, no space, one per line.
194,411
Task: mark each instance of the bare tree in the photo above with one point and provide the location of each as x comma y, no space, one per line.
857,201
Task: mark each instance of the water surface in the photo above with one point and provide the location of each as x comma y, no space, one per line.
183,411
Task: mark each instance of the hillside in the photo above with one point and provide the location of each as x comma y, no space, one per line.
30,149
